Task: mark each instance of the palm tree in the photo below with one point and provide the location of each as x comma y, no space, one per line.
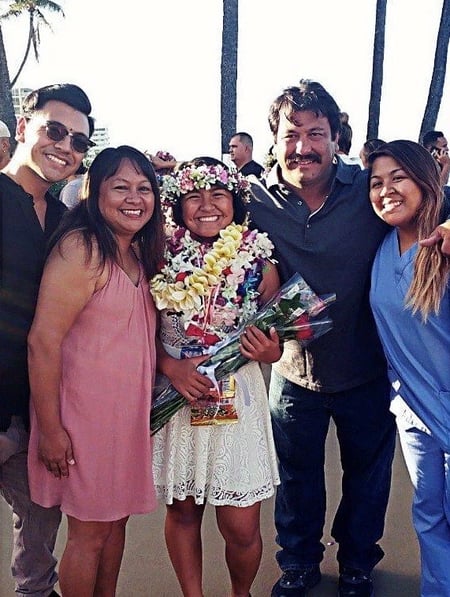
377,70
36,19
6,103
439,69
228,71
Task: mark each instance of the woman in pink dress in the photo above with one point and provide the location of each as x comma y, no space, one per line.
92,362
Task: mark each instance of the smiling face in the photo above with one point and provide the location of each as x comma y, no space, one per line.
206,212
305,149
395,197
51,161
126,200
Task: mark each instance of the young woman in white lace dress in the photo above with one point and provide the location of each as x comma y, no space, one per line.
217,272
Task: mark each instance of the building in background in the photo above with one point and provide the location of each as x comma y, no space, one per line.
100,137
18,95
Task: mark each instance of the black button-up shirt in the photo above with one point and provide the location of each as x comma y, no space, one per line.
333,249
23,245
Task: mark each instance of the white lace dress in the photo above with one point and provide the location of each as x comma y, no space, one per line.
224,465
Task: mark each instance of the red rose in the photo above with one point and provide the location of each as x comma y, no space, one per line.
305,331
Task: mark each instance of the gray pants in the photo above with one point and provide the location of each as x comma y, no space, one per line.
34,530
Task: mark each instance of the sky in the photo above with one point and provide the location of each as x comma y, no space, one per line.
152,69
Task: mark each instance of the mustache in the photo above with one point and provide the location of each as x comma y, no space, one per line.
296,157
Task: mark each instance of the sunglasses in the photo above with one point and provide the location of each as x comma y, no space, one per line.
57,132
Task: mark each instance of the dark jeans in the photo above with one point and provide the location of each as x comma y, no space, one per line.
366,435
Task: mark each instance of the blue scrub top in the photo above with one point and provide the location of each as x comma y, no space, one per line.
418,354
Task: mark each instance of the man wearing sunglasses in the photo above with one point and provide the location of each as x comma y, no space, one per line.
53,136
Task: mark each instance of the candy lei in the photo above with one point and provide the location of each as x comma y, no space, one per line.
211,285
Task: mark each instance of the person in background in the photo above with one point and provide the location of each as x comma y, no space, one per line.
315,209
5,145
345,134
241,154
410,298
52,139
344,143
92,363
70,194
436,143
367,148
230,465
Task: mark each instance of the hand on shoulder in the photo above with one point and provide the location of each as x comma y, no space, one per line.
440,235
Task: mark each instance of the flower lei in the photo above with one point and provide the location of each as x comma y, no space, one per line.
215,290
201,177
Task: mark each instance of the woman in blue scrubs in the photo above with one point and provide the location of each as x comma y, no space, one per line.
410,299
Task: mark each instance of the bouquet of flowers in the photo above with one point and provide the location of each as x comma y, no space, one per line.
295,311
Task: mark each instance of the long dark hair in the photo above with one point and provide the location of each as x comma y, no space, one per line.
87,218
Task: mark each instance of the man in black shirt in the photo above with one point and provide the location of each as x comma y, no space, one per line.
317,213
53,137
241,152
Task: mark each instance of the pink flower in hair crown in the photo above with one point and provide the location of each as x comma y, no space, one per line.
193,178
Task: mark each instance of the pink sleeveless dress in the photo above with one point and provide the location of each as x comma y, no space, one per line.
106,387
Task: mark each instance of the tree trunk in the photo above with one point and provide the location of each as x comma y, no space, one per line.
438,78
6,102
228,71
27,50
377,71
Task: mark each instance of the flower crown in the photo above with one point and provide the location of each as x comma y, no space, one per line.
190,178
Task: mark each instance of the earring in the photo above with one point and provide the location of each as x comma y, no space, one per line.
335,160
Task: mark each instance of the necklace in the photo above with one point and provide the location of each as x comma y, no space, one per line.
213,287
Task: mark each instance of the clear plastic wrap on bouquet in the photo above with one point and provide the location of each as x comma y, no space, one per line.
296,313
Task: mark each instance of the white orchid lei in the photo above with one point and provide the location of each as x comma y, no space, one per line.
215,287
201,177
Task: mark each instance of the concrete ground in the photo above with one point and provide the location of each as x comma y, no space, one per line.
146,569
